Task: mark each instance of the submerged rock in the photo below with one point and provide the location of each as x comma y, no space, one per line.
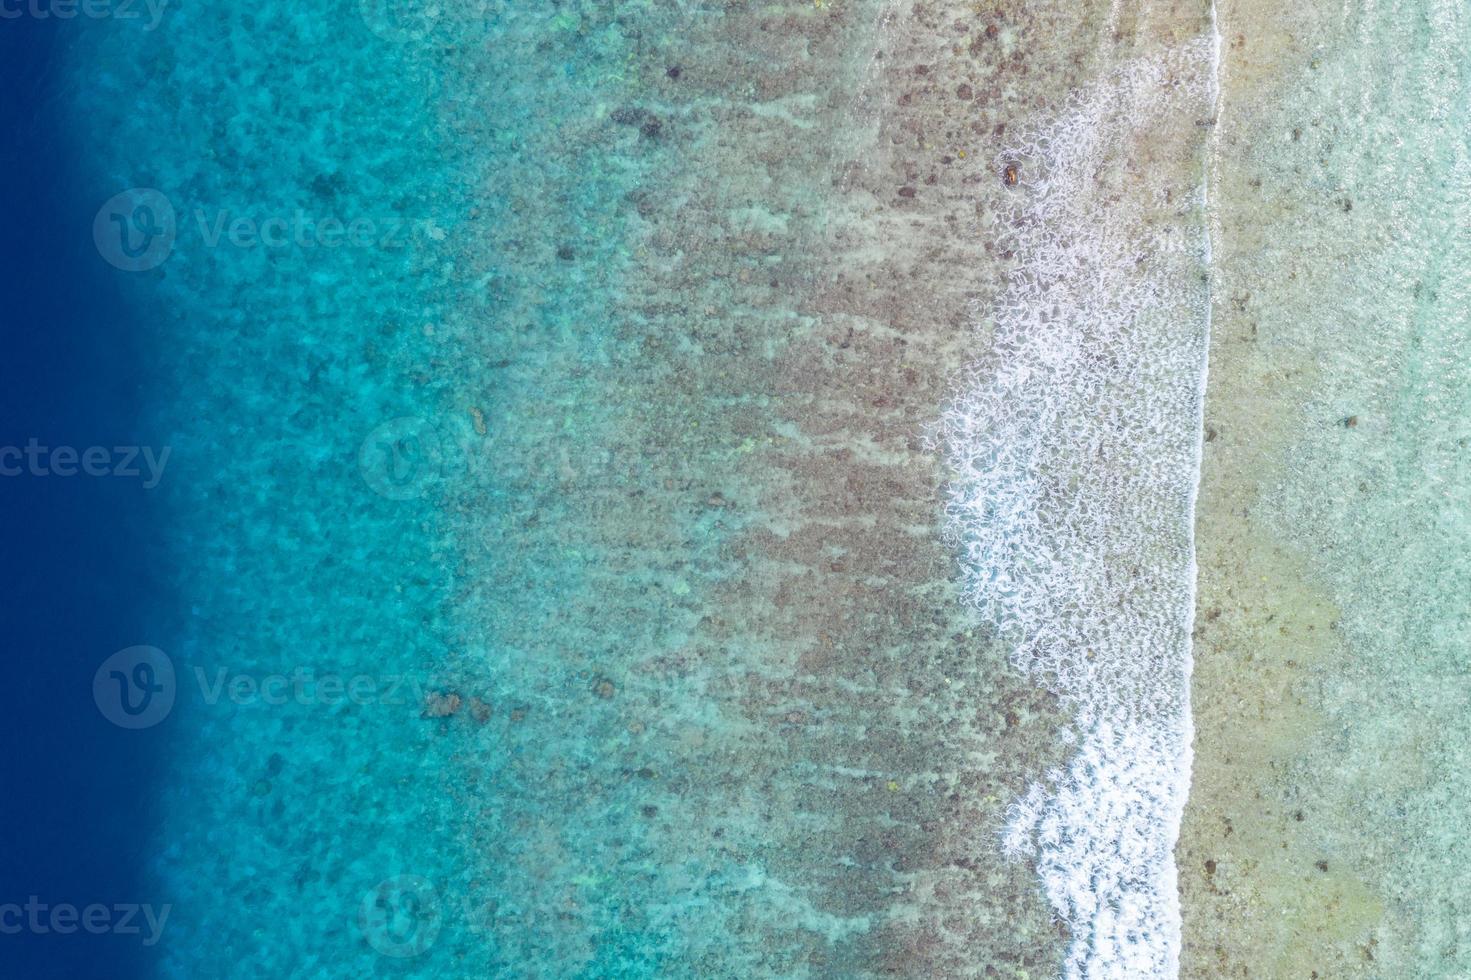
439,704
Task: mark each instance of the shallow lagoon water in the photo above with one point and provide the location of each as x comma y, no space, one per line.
1333,611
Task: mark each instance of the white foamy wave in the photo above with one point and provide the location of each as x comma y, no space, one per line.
1075,443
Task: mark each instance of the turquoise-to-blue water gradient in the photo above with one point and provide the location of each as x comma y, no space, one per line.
243,277
248,273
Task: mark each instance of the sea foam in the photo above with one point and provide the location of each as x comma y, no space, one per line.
1075,444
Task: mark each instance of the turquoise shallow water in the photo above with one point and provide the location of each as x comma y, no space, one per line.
1342,275
379,252
281,340
506,631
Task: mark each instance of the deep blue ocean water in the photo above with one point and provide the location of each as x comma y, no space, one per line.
80,555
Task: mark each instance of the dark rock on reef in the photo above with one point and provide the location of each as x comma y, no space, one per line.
649,125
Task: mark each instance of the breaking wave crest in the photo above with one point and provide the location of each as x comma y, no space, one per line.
1075,444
